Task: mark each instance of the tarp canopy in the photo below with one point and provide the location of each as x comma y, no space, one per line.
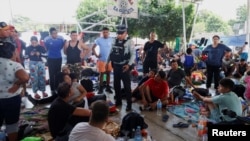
237,40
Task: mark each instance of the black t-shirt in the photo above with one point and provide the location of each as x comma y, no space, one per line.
59,115
151,50
32,49
174,78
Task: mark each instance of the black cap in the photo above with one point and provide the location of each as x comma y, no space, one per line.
121,29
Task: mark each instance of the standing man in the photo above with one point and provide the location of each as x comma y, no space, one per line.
104,44
244,51
215,53
122,56
54,45
74,50
150,53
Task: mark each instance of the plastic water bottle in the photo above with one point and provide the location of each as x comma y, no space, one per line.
159,107
202,127
2,136
138,136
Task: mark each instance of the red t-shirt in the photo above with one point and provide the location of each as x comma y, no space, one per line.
158,89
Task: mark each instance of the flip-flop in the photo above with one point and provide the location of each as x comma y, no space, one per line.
181,125
165,118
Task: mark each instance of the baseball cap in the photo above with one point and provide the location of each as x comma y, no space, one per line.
121,29
3,25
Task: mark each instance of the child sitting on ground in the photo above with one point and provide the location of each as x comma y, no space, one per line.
226,100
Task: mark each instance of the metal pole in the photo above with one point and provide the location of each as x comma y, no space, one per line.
184,27
195,17
248,26
11,13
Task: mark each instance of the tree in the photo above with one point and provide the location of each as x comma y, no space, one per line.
18,21
241,14
213,22
88,7
165,20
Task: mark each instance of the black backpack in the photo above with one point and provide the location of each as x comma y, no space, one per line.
239,90
130,123
88,85
202,91
178,91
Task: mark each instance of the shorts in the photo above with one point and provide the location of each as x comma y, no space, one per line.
10,110
153,98
188,71
149,65
101,66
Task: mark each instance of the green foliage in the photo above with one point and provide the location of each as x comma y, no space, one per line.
213,23
241,13
164,19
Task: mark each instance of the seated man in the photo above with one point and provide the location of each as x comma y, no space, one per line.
241,68
62,116
228,65
176,74
136,92
92,131
226,100
154,89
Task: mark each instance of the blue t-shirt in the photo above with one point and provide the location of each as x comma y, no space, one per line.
54,46
215,54
105,46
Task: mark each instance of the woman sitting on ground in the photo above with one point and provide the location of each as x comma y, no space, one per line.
79,93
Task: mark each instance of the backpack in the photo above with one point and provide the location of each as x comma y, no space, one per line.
202,91
178,91
130,123
88,85
239,90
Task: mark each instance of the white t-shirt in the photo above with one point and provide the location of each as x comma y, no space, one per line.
245,49
8,68
85,132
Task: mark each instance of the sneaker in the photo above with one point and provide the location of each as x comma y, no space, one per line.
145,108
100,91
108,89
128,108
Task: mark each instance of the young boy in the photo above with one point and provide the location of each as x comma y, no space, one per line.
226,100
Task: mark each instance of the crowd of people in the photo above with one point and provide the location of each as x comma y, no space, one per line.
77,112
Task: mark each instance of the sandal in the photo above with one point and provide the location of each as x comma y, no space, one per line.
45,94
181,125
37,96
165,118
146,108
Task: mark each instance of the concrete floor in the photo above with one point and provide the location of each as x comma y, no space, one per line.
159,130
